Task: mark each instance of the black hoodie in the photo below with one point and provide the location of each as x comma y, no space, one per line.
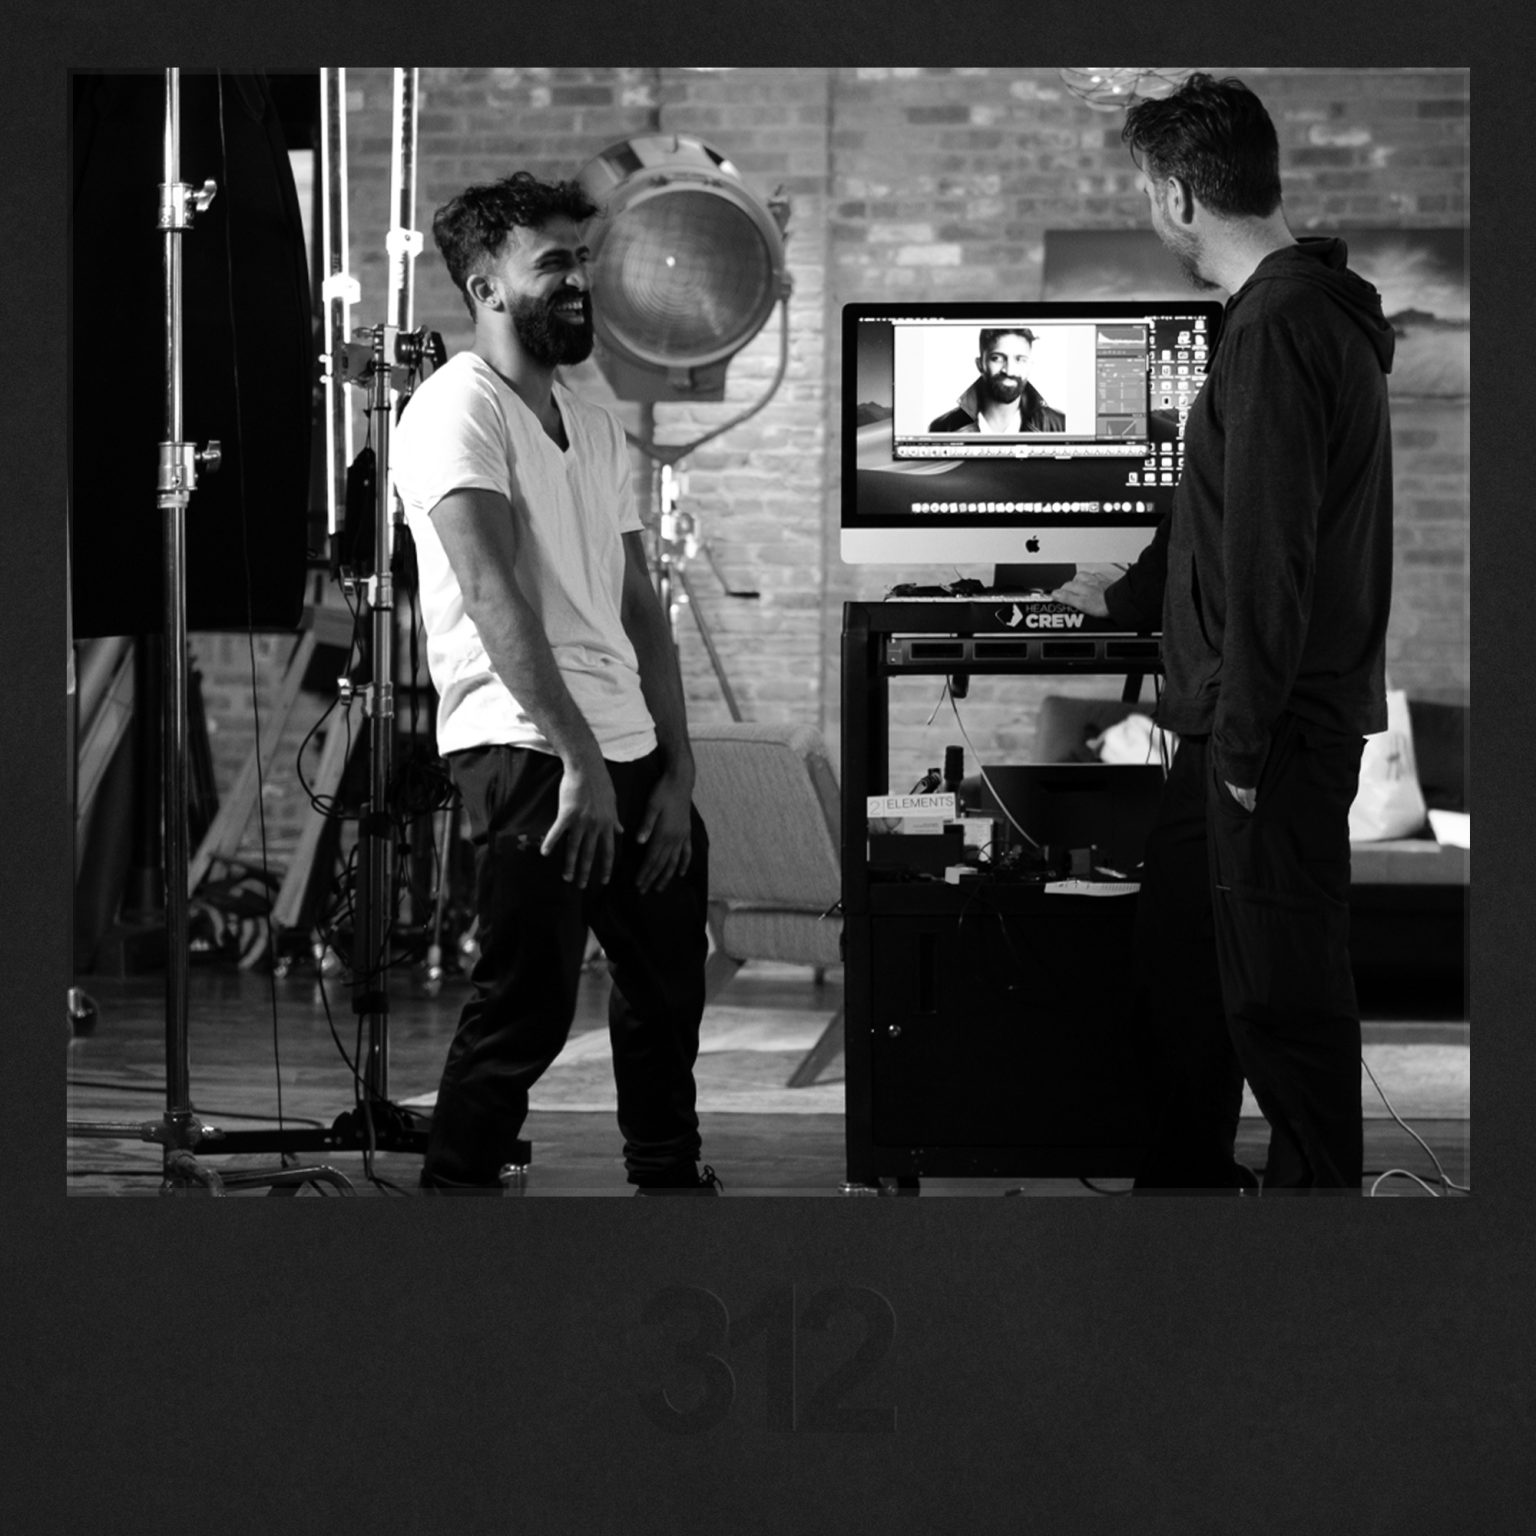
1272,576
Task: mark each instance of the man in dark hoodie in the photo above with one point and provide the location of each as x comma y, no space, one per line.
1271,582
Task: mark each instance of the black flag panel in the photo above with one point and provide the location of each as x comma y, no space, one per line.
249,353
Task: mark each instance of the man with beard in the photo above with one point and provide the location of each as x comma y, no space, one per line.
1002,399
561,712
1271,581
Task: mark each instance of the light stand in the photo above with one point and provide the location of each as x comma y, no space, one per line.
181,1131
179,463
677,536
383,361
688,266
392,346
677,542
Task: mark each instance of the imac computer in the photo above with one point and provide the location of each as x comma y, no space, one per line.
1025,436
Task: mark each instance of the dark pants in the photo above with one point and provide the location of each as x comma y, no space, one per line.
532,929
1243,966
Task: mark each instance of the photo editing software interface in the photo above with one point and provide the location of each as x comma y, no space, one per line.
985,429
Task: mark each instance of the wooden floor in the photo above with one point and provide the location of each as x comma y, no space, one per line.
117,1074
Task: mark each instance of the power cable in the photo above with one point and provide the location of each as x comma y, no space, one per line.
1449,1186
1002,804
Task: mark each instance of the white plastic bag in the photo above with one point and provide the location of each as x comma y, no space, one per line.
1389,802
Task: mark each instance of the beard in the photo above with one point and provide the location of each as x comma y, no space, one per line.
1187,252
1189,262
999,390
548,339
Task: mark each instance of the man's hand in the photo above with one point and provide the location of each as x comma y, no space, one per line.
1086,591
1247,798
666,832
588,820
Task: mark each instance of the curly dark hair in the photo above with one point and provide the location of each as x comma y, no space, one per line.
471,228
1216,136
989,337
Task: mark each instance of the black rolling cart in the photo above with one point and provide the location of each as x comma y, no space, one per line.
988,1025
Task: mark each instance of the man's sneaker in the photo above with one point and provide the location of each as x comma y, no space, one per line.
686,1181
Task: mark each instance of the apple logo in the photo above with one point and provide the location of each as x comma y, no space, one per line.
1032,544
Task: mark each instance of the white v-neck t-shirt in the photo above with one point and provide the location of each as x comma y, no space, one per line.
465,429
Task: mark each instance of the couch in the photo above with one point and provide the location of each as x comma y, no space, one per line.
1408,896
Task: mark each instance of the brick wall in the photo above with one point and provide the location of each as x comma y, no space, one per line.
903,184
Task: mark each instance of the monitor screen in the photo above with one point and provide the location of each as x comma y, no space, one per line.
1062,806
1015,434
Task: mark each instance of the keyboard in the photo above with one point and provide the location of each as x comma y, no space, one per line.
931,595
1092,887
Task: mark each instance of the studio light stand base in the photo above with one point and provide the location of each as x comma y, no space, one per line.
182,1133
379,1127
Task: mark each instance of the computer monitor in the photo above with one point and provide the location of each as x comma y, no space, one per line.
1110,807
940,469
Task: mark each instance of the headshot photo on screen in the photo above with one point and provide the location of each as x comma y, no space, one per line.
940,373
